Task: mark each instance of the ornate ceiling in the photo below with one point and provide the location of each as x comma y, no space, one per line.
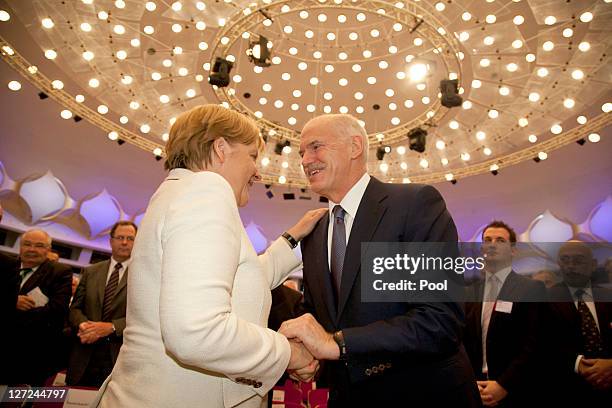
534,75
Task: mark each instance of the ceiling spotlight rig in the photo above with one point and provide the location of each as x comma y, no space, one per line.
381,151
417,139
450,93
220,72
259,52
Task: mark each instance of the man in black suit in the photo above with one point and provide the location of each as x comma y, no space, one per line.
580,327
503,331
97,313
41,307
379,353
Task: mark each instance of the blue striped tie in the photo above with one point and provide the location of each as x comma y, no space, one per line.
338,248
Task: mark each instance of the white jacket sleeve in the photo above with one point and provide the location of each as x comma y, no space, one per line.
201,249
278,261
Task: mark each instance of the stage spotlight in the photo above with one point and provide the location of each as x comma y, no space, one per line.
220,72
536,159
581,142
158,158
259,52
278,148
77,118
288,196
449,89
323,199
120,142
269,194
453,181
381,151
42,95
303,195
417,139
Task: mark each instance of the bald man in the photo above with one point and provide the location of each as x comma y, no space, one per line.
38,325
581,331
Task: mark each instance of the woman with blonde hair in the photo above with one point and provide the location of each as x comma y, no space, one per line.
198,294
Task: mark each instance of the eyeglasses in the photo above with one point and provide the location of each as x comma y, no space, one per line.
39,245
122,238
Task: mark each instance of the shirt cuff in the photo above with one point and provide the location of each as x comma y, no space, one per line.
577,364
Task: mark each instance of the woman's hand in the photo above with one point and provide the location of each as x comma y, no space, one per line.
307,223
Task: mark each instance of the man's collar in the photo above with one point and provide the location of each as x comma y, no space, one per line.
352,199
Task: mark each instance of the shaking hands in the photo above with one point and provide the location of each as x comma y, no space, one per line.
307,337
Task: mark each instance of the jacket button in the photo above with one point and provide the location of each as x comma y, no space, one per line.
258,384
240,380
381,367
368,372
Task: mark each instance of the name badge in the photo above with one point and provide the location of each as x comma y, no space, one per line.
503,306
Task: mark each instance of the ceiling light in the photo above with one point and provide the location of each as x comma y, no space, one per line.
532,138
493,113
556,129
569,103
488,40
417,72
102,15
465,156
476,83
425,100
480,135
491,19
47,23
504,91
594,138
121,54
440,145
512,67
534,96
550,20
586,17
464,36
568,32
530,57
14,85
518,20
4,16
134,105
542,155
177,6
190,93
371,80
577,74
366,53
517,44
584,46
102,109
523,122
50,54
418,41
308,33
126,79
119,29
542,72
408,103
145,128
466,16
424,163
548,46
66,114
322,18
606,107
485,62
466,105
150,6
148,29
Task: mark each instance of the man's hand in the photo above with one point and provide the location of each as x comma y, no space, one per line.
491,393
598,372
300,356
25,303
305,374
90,332
306,329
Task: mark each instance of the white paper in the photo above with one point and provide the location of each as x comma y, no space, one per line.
38,297
503,306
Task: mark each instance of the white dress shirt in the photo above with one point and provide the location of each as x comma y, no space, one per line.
124,265
501,276
350,204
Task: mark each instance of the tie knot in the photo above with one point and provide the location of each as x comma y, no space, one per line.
118,266
338,213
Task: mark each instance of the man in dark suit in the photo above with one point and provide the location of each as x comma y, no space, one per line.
580,329
379,353
42,304
97,313
503,332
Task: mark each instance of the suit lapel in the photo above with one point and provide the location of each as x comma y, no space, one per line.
322,276
369,213
100,275
35,279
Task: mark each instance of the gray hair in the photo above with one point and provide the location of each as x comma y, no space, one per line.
49,239
345,126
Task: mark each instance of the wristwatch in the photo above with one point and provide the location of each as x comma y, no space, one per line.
292,241
339,339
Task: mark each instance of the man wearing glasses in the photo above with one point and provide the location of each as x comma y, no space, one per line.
97,313
43,293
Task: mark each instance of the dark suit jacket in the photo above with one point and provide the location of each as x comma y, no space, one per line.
395,351
38,331
565,344
87,305
513,340
286,304
9,286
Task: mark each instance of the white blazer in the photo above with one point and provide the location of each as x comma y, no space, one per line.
198,304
